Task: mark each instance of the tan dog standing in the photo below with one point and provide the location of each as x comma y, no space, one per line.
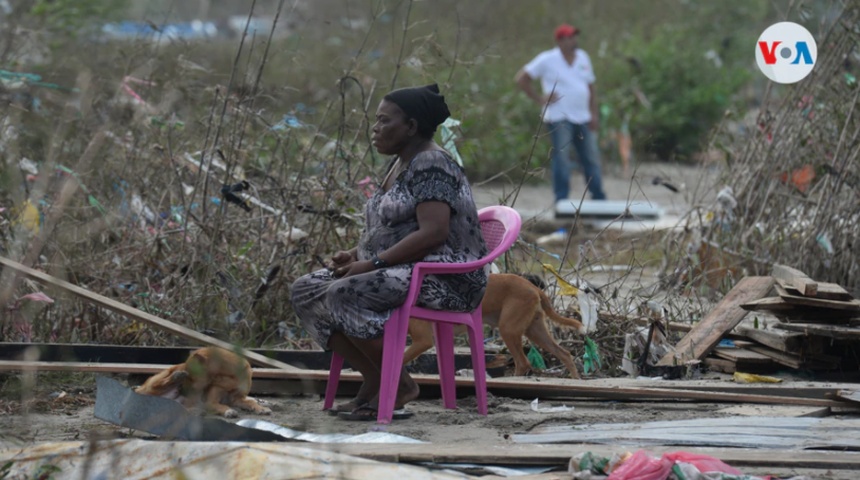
215,377
516,307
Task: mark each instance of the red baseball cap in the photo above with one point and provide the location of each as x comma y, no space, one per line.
565,30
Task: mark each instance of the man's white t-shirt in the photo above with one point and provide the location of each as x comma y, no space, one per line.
569,82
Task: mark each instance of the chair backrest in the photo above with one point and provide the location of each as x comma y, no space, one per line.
500,226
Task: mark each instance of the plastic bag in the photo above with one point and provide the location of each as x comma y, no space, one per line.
642,466
704,463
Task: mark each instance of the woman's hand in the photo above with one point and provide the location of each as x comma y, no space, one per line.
354,268
342,259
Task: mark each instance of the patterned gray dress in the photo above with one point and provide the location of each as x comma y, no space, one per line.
360,305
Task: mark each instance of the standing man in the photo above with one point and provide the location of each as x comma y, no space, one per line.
569,99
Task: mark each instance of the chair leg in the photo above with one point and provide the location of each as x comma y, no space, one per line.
333,380
445,360
392,363
479,367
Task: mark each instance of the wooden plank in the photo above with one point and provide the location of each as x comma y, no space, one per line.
147,369
123,309
851,395
791,425
799,280
781,340
548,454
768,304
722,319
720,365
512,386
522,387
827,291
677,326
831,331
833,291
742,356
795,361
851,305
790,312
741,432
774,411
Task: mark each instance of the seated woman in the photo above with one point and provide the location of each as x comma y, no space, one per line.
423,211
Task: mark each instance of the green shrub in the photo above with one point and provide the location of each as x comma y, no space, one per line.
690,73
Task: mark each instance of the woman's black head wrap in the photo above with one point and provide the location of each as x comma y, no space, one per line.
425,104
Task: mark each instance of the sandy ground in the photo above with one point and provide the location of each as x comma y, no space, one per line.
430,423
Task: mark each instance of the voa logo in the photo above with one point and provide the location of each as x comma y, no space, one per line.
786,52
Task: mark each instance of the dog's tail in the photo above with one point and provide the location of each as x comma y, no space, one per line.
546,304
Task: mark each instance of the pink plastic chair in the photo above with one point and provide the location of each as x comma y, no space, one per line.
500,226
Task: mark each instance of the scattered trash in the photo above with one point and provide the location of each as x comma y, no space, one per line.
557,236
586,464
171,122
643,349
665,183
289,433
367,186
37,297
642,465
565,288
90,198
126,87
588,310
535,406
800,178
30,217
726,202
469,373
535,359
591,357
229,192
823,240
289,121
14,80
128,30
449,137
28,166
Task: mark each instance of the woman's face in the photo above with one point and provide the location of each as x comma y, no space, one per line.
392,131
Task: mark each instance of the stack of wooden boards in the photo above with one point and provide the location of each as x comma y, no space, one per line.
770,323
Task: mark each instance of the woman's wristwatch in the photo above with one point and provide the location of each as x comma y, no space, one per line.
378,262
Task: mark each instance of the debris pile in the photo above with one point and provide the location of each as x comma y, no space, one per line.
817,326
770,323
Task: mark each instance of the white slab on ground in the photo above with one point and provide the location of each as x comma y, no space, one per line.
608,209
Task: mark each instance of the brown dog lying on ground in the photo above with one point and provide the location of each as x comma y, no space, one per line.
215,377
516,307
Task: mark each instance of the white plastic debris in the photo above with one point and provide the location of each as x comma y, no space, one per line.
535,406
588,309
369,437
28,166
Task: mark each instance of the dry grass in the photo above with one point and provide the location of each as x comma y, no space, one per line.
130,193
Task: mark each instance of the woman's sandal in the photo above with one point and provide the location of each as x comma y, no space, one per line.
347,407
366,413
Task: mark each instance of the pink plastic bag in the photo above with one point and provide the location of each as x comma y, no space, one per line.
642,466
703,463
